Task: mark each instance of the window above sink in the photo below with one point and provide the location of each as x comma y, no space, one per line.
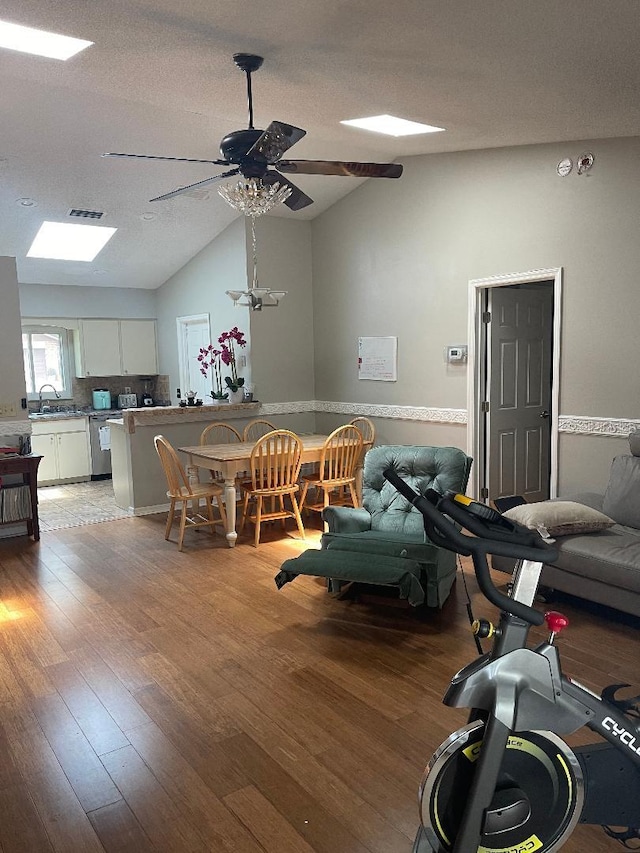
46,361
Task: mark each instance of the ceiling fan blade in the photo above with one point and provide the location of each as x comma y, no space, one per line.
177,159
195,186
335,167
275,140
297,200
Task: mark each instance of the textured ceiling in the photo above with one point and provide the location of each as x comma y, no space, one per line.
160,80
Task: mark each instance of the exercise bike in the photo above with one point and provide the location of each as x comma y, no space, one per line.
506,782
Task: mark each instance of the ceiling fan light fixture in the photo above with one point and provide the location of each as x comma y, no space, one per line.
392,125
256,297
252,197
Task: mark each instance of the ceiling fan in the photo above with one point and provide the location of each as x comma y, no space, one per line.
253,151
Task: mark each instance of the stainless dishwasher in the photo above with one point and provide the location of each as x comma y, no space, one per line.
100,442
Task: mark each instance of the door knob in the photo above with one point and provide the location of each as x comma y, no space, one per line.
544,414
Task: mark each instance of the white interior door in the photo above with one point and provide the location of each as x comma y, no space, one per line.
194,332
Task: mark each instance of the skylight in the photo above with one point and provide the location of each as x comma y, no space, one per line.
62,241
39,42
392,126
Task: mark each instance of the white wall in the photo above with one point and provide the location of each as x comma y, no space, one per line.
395,258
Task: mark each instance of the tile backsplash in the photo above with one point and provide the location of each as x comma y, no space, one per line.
82,390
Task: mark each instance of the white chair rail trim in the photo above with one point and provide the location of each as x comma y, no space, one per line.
575,424
585,425
403,413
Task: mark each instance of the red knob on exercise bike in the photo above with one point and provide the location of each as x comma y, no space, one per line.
556,622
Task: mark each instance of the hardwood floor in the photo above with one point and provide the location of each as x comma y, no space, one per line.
153,700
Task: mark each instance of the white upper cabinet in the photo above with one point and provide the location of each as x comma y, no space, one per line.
97,347
116,348
138,347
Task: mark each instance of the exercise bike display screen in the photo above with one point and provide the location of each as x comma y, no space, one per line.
534,801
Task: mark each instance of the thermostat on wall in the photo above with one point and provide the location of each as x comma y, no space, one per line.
456,354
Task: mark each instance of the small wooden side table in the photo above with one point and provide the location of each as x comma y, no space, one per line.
28,467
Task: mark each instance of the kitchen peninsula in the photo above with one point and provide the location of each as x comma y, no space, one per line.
139,483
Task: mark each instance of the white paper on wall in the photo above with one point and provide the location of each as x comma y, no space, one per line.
378,358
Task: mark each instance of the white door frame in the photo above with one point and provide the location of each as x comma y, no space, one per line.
181,323
476,378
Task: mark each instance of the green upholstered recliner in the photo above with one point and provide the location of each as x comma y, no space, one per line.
384,542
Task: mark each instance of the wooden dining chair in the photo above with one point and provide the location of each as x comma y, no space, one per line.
368,431
256,429
274,469
338,461
181,491
219,433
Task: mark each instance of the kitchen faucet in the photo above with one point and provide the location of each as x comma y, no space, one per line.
47,385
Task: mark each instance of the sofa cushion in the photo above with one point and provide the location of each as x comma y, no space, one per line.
622,497
611,557
559,518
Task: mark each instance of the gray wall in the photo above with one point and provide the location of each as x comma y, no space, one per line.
282,337
12,384
395,258
199,288
54,300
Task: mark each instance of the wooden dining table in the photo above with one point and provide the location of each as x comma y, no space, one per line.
232,459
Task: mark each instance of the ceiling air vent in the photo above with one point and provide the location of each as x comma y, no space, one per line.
86,214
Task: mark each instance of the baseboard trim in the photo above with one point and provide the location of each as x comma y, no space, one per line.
149,510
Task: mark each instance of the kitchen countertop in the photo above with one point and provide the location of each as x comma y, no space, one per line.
59,416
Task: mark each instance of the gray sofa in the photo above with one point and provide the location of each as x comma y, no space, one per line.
605,566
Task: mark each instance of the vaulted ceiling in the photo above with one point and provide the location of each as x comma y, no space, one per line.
160,80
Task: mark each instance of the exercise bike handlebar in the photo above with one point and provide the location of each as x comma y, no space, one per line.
493,534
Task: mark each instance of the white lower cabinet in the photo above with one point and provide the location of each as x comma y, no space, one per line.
64,446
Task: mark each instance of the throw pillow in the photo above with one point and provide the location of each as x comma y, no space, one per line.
559,518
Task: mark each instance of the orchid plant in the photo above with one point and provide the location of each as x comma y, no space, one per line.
211,358
229,341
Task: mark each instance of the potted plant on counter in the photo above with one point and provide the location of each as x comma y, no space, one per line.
211,358
229,341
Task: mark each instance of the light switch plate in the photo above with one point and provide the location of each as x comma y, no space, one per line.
8,410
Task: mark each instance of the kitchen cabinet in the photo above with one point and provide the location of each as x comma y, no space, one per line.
138,347
64,446
116,348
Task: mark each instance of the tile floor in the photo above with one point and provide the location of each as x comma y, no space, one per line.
77,504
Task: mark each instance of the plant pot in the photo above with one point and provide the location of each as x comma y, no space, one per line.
236,396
